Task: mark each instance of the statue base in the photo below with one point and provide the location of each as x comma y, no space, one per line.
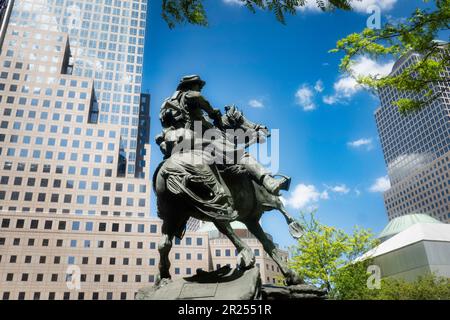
222,284
226,284
294,292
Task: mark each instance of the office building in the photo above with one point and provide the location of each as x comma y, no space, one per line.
75,257
416,149
74,148
106,45
66,257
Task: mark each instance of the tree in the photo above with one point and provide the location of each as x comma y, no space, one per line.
323,251
426,287
193,11
351,284
417,34
326,256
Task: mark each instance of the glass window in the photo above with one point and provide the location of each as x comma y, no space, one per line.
89,226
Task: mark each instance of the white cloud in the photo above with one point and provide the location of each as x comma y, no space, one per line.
365,66
318,86
361,6
358,5
381,184
256,103
347,86
310,5
304,196
363,142
324,195
330,99
341,188
305,97
234,2
357,192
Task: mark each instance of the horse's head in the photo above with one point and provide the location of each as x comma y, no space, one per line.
234,119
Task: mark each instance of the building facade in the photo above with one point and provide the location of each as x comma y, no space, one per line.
50,144
74,257
416,149
223,252
74,145
107,45
77,257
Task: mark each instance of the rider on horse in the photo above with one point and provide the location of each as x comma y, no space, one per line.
184,108
219,192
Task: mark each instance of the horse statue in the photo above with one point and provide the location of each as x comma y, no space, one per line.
218,194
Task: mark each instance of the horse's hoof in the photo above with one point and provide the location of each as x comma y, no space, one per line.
161,282
295,229
246,259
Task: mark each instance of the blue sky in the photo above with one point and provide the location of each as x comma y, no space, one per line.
283,76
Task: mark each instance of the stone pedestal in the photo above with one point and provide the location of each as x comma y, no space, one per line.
296,292
222,284
227,284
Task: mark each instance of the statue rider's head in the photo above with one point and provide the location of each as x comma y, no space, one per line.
192,82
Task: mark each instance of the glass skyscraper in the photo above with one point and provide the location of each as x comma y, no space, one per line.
416,149
107,45
74,151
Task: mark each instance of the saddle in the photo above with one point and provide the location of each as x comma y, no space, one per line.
200,183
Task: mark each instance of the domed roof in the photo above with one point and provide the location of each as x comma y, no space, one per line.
401,223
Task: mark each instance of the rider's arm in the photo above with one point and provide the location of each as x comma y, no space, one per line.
214,114
204,104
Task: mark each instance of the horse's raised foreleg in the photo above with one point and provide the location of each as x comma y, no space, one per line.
295,229
164,247
290,276
246,258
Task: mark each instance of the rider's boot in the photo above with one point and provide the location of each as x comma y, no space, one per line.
274,185
263,177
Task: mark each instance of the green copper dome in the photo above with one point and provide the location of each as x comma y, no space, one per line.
401,223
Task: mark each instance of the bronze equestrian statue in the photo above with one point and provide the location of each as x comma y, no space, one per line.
214,179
